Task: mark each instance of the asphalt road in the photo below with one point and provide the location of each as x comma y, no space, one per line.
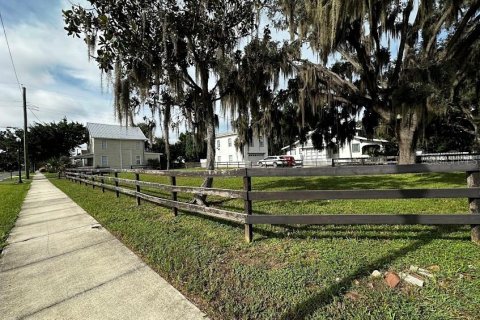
6,175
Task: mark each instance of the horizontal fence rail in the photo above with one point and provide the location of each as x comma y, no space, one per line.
307,172
236,194
213,212
102,178
373,219
364,194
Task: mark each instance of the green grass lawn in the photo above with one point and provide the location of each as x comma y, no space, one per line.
302,272
11,199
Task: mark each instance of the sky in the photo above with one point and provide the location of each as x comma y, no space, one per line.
55,69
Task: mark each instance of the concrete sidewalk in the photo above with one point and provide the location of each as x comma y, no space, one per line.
61,264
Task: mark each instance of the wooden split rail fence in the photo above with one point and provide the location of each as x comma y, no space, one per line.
97,178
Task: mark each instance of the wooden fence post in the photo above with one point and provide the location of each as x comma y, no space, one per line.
103,183
173,181
473,181
247,187
137,187
117,193
93,180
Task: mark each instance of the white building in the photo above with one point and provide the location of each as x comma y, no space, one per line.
226,152
358,148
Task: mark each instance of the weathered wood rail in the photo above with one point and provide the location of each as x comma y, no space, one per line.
97,178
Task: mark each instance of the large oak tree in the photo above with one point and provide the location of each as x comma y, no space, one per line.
402,87
183,50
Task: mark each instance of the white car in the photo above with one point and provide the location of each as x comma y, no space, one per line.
274,161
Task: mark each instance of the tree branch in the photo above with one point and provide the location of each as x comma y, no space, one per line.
354,38
461,27
347,56
462,48
188,79
403,40
436,29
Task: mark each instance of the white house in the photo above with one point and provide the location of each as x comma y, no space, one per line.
226,152
358,147
114,146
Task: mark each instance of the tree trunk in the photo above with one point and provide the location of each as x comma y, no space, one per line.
210,144
476,144
406,131
166,134
208,182
210,131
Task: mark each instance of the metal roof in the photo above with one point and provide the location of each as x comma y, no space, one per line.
110,131
225,134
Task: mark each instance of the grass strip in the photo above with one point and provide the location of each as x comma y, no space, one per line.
12,195
303,272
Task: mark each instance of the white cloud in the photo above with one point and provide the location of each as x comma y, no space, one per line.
54,68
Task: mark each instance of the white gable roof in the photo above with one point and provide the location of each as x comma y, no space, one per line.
110,131
226,134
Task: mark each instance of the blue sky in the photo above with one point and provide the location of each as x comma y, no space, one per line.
54,68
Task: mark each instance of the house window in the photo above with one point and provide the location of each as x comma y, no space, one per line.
104,144
219,158
356,147
104,161
218,144
229,142
138,160
260,142
230,158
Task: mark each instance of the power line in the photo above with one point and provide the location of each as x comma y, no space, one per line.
64,113
10,52
36,116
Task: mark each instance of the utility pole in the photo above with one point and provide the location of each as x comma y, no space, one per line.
25,142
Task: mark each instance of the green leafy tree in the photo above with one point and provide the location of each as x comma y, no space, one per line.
185,148
254,88
181,49
189,149
45,141
402,88
148,129
54,140
9,149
